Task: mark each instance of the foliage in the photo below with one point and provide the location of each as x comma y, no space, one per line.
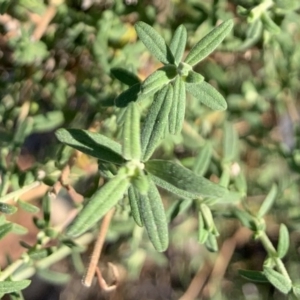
190,116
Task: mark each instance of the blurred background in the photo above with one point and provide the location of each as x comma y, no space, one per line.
55,71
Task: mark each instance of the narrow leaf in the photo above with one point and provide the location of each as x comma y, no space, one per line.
156,121
101,202
177,208
241,183
158,79
269,24
154,43
202,161
131,133
183,182
128,96
177,111
283,241
255,276
244,217
7,208
209,43
141,183
178,43
7,287
125,76
268,202
56,278
48,121
253,35
19,229
207,217
279,281
91,143
134,202
296,291
5,229
202,232
28,207
46,206
211,243
230,143
193,77
154,218
207,95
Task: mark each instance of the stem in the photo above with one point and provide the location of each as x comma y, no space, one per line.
273,253
87,281
5,185
18,193
58,255
11,269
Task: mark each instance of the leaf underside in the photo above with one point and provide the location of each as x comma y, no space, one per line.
207,95
91,143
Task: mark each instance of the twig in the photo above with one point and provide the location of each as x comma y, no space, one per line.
45,21
216,273
103,284
197,283
241,236
87,281
18,193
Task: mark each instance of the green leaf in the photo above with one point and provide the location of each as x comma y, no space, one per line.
154,219
184,183
125,76
7,287
7,208
128,96
2,219
202,232
178,207
158,79
209,43
211,243
296,291
255,276
207,217
156,121
193,77
3,9
48,121
100,203
283,241
244,217
178,43
202,161
241,183
56,278
131,133
207,95
134,202
5,229
141,182
269,24
46,207
19,229
268,202
230,143
91,143
28,207
38,254
177,111
154,43
253,35
283,284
